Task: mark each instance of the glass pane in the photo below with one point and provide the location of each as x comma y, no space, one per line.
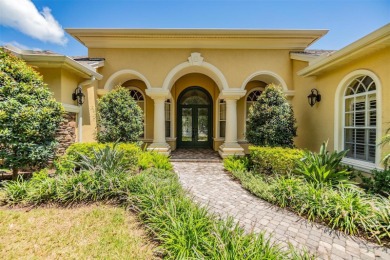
167,128
186,124
349,135
372,118
360,136
222,128
351,150
349,105
202,124
360,152
222,111
372,101
195,97
360,119
349,119
371,153
360,103
372,136
167,112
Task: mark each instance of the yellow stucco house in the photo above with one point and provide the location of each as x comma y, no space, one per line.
195,85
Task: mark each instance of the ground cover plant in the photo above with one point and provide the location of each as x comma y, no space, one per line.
182,228
344,207
83,232
29,116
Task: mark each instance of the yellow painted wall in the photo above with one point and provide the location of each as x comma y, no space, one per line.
316,124
52,77
155,64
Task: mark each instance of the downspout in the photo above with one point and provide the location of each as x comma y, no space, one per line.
80,117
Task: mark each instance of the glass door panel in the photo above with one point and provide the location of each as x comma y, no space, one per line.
186,120
202,125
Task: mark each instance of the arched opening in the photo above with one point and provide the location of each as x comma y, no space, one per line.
195,118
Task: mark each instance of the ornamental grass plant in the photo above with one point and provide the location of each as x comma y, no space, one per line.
183,229
347,208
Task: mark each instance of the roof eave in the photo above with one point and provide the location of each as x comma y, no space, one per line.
362,45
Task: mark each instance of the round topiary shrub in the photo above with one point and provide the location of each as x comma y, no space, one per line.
271,120
29,116
119,117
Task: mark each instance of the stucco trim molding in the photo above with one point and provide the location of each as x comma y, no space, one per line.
123,76
71,108
268,77
339,112
196,64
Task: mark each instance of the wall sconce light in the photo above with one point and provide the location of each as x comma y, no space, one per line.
314,97
78,95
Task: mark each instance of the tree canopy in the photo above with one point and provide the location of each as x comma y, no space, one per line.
29,116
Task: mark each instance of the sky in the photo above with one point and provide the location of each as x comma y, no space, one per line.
40,24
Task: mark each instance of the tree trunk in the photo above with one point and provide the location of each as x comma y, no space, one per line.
15,172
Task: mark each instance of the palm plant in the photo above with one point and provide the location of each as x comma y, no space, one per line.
323,167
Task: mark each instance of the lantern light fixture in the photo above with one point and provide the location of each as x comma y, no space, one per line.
78,95
314,97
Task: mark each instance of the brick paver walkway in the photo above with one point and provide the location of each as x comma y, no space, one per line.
211,185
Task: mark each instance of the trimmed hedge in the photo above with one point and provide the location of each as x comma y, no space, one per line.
65,163
274,160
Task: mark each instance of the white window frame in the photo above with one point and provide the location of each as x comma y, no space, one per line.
144,97
339,125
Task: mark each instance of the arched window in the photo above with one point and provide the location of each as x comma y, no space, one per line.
360,119
140,100
251,98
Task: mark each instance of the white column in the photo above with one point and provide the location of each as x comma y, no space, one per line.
231,146
159,144
159,120
231,121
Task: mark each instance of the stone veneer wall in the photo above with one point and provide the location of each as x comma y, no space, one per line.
66,133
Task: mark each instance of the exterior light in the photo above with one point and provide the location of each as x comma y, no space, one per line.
78,95
314,97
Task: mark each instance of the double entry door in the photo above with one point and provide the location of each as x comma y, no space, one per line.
194,126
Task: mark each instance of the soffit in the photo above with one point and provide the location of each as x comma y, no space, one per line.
197,38
373,42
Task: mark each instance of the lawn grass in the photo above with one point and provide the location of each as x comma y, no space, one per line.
85,232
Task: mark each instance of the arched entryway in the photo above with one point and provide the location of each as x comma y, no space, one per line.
195,118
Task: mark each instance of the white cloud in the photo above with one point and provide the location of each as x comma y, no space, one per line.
18,45
22,15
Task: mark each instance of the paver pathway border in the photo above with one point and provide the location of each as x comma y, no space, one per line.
212,186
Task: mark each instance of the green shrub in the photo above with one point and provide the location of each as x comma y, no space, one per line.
120,119
269,160
77,151
343,207
151,159
29,116
379,182
236,163
271,120
323,167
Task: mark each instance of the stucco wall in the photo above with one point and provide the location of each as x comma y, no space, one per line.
316,124
155,64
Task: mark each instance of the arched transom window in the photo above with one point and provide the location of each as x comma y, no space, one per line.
140,100
250,99
360,115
